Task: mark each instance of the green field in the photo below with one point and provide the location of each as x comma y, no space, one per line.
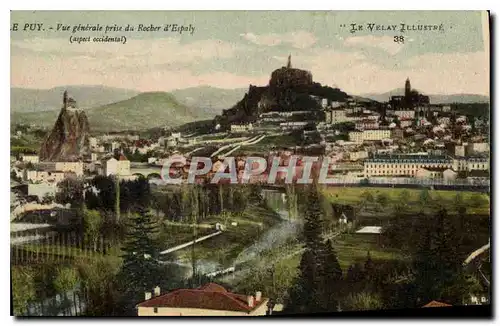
353,196
352,248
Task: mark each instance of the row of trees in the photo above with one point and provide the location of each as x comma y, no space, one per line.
380,202
437,244
92,276
101,193
211,200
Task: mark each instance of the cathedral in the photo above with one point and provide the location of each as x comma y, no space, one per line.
410,100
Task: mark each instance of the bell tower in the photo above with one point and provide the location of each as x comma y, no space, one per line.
407,88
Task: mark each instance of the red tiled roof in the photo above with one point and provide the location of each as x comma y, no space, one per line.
436,304
123,158
213,287
209,296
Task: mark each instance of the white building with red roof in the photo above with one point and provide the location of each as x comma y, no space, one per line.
208,300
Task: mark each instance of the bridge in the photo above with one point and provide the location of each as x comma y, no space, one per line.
146,170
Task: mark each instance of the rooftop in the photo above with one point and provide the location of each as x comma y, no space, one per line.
402,158
209,296
434,304
370,230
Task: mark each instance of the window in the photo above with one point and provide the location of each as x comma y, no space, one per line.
155,310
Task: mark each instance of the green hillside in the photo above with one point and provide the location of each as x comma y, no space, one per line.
144,111
211,99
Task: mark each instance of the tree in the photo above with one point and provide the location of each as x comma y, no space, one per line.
313,226
255,193
13,176
477,200
304,294
332,277
291,196
402,203
458,202
366,198
460,288
319,270
93,222
436,261
424,198
382,200
404,197
65,281
70,191
141,270
355,273
369,265
23,289
47,198
363,301
98,276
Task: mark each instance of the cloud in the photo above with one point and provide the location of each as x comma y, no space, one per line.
432,73
299,40
134,52
168,63
52,71
160,64
385,43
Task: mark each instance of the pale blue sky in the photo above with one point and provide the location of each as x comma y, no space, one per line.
234,49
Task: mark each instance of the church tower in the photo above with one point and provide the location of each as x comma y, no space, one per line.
407,88
289,63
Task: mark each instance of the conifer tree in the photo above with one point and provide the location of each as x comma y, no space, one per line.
304,295
369,266
313,225
141,271
332,277
319,270
437,262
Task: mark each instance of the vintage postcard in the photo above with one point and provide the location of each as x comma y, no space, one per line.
250,163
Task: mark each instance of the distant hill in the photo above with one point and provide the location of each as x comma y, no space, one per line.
144,111
35,100
209,98
435,99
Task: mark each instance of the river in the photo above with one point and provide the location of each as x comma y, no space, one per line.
273,237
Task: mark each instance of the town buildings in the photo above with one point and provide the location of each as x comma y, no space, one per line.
37,176
75,167
369,135
241,128
31,158
113,166
403,165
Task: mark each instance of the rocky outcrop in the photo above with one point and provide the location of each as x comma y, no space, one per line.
68,140
289,89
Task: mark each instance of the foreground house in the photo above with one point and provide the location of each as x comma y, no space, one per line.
435,304
208,300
